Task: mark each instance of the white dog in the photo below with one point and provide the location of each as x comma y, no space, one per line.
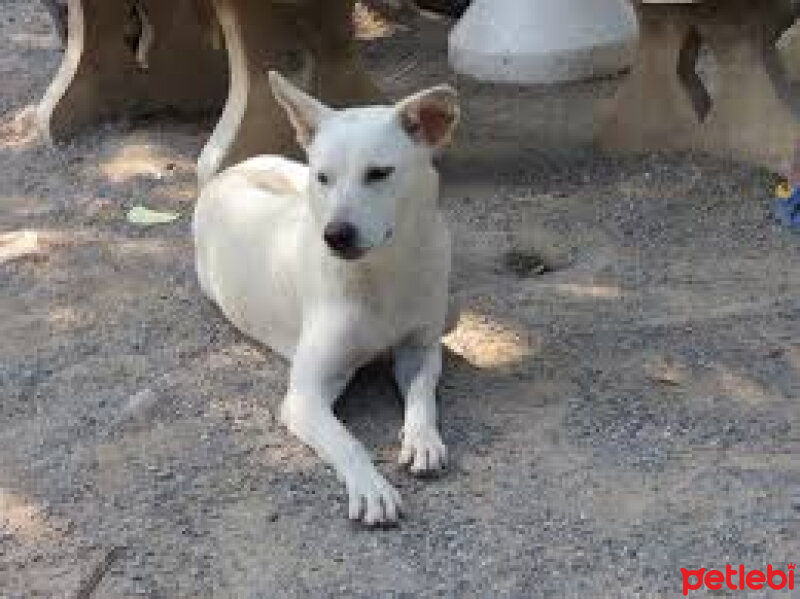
333,264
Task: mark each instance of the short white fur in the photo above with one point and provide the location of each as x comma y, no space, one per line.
261,256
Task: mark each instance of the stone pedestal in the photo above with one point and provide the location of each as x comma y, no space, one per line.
311,41
663,103
543,41
128,58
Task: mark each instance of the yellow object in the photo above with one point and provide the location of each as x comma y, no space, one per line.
783,191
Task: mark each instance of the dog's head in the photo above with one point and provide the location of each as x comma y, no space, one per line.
369,166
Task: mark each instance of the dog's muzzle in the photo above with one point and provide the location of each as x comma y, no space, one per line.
342,239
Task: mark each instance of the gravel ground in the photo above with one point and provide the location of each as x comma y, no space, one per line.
632,411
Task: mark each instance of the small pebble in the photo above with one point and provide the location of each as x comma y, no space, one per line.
140,404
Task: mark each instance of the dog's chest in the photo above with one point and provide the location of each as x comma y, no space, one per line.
400,296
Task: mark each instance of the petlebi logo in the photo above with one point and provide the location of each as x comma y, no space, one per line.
738,579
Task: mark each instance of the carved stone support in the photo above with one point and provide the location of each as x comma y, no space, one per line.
663,103
133,57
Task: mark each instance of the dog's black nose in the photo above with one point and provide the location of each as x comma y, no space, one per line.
341,236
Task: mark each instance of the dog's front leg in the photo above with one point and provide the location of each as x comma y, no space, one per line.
416,370
320,371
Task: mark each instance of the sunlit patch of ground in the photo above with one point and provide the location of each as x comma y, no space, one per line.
137,157
17,244
370,24
22,517
18,129
487,343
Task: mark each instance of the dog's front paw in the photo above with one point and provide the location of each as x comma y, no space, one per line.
422,450
372,499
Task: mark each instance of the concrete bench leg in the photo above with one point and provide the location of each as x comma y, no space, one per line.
664,105
660,103
750,117
177,70
312,38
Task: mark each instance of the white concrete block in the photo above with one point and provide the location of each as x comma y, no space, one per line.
543,41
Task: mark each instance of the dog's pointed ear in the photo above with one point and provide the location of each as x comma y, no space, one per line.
305,113
430,116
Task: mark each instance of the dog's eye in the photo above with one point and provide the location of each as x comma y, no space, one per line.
377,173
323,178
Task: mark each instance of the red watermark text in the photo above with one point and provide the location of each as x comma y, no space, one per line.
737,579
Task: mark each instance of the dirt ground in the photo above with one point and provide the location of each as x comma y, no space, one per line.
631,412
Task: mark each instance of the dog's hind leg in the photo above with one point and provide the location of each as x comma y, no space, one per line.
416,370
319,374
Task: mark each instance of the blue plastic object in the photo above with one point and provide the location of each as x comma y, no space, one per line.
787,209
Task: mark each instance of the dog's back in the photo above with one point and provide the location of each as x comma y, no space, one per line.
246,236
